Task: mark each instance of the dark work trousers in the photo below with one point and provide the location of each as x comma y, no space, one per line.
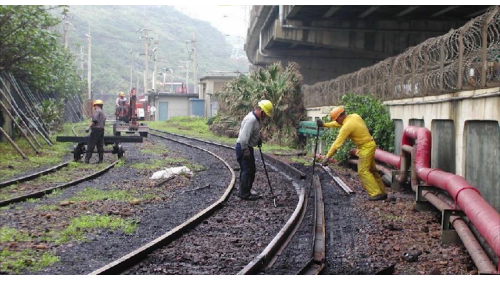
247,170
96,138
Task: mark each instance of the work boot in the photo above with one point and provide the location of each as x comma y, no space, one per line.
251,197
382,196
101,157
86,161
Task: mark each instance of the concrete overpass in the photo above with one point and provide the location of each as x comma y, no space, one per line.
328,41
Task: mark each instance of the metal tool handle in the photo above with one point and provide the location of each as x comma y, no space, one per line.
315,151
265,170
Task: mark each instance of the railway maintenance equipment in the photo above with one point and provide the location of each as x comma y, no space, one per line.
80,147
127,120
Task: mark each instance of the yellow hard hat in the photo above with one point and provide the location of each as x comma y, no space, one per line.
122,94
267,106
335,113
97,102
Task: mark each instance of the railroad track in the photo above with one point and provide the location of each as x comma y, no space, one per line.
228,236
32,191
34,175
28,188
249,242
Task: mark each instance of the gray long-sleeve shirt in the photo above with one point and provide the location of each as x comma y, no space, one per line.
249,134
98,118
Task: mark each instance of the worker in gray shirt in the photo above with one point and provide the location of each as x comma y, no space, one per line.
248,137
96,137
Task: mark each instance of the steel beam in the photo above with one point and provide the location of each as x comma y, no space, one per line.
369,11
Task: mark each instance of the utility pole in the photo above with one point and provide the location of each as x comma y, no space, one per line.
146,55
89,66
187,73
138,78
130,61
195,65
155,50
146,67
81,62
172,80
194,58
164,78
66,24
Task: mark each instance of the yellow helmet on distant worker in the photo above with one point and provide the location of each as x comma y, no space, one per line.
335,113
267,107
97,102
122,94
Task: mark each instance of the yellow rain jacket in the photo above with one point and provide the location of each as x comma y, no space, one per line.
355,128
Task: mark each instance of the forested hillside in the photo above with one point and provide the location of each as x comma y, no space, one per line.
117,47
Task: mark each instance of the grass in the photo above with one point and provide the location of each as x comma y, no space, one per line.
8,234
120,163
190,126
302,160
46,207
197,127
12,164
54,193
155,150
6,192
78,226
15,262
93,194
32,200
390,217
68,173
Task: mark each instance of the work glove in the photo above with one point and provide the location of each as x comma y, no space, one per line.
319,122
247,153
259,143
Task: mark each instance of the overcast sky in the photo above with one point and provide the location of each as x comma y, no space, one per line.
232,20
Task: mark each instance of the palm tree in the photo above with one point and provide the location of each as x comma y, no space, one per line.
279,85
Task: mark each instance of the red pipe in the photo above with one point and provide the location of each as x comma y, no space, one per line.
383,156
388,158
484,217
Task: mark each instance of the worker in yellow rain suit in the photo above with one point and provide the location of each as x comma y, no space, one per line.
352,126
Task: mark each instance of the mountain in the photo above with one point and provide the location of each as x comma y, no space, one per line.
118,44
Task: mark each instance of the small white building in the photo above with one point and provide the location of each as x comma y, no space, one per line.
212,84
170,105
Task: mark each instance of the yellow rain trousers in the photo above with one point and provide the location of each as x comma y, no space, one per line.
355,128
367,171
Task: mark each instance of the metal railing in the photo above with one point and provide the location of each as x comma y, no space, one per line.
464,59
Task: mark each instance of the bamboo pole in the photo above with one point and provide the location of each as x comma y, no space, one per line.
17,124
29,109
21,119
20,112
13,143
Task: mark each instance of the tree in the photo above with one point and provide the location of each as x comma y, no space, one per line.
32,52
275,83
